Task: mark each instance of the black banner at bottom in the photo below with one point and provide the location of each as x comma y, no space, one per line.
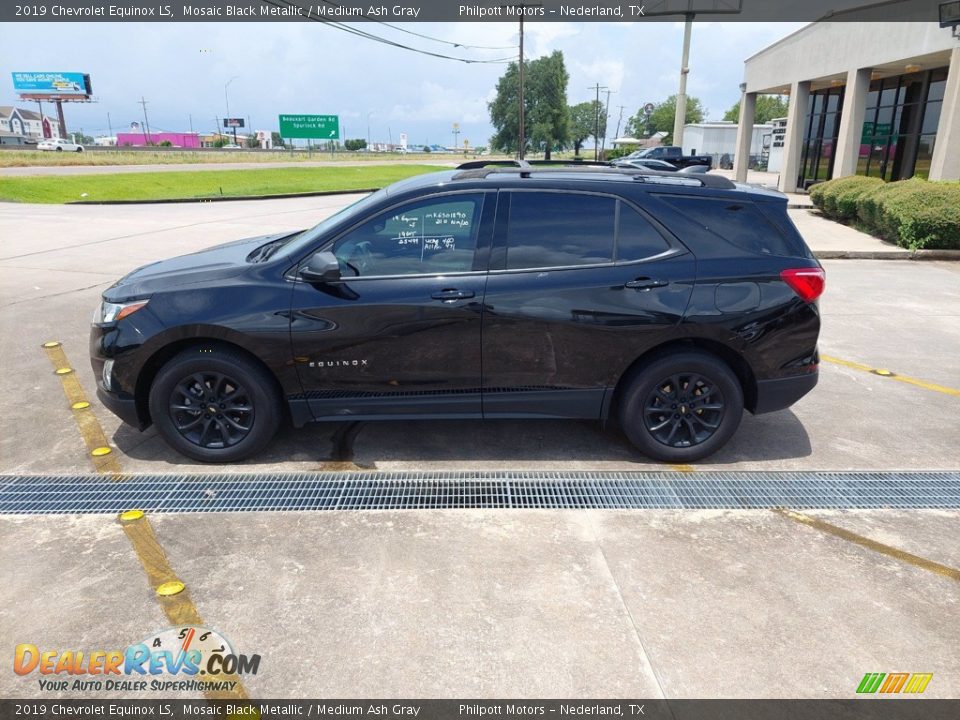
873,708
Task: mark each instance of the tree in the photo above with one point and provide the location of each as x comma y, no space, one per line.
549,118
355,144
546,116
768,108
583,122
276,140
662,117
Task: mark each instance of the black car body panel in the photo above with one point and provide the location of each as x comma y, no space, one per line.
478,338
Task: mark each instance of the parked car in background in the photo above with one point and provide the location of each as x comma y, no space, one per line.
670,303
672,154
59,145
646,164
232,146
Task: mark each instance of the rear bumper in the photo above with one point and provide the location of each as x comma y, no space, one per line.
781,393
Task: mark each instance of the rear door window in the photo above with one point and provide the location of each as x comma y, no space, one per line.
738,222
637,238
558,229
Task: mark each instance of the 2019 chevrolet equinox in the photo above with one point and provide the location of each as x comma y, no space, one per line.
669,303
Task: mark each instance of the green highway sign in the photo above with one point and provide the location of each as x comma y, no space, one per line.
311,127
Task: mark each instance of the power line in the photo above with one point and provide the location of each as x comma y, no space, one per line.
385,41
429,37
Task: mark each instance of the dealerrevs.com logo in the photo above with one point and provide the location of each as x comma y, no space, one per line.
187,658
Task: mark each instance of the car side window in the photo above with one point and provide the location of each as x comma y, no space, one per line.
738,222
637,238
433,236
557,229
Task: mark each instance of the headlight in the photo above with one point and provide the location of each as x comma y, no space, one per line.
108,312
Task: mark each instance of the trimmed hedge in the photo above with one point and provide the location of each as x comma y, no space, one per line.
912,213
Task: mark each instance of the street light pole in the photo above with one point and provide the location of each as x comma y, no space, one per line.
368,130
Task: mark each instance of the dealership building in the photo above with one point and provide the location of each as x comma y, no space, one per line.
866,98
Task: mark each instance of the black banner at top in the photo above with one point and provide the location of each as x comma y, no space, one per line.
352,11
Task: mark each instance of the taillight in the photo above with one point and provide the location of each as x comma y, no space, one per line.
806,282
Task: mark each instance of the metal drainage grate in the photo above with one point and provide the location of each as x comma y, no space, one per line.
58,494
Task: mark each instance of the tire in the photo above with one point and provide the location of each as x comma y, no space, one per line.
79,149
684,427
215,404
59,149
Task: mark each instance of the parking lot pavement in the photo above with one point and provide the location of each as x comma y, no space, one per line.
896,315
522,603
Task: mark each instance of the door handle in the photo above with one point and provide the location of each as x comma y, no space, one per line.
452,294
645,283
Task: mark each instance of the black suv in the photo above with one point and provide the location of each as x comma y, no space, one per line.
669,303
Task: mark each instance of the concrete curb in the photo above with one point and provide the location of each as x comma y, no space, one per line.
231,198
887,254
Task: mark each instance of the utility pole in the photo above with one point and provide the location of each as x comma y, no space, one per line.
522,136
109,125
619,120
680,117
596,121
146,123
606,122
191,123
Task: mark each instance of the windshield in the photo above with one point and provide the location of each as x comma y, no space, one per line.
299,243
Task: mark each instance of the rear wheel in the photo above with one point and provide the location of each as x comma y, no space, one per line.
682,407
215,404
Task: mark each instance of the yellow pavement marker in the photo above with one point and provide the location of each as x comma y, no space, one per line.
883,372
866,542
98,447
171,592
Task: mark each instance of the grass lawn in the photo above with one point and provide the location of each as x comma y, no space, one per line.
40,158
201,184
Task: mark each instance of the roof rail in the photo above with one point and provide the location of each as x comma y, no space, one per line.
527,169
476,164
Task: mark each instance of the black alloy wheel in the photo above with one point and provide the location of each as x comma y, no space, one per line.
681,407
683,410
211,410
215,404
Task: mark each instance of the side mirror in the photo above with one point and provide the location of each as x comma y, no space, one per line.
322,267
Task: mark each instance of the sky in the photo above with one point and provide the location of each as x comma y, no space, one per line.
272,68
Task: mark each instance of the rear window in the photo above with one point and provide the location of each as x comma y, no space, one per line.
738,222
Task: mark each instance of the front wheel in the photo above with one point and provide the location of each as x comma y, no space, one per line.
215,404
682,407
79,149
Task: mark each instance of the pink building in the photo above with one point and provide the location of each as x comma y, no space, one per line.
139,139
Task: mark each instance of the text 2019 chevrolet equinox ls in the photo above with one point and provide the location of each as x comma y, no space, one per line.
669,303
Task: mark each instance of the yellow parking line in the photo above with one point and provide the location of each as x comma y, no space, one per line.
866,542
171,592
682,468
98,447
891,375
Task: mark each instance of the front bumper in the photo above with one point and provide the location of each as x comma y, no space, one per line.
122,405
781,393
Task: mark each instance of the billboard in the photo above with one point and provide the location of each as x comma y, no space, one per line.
58,84
311,127
232,122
